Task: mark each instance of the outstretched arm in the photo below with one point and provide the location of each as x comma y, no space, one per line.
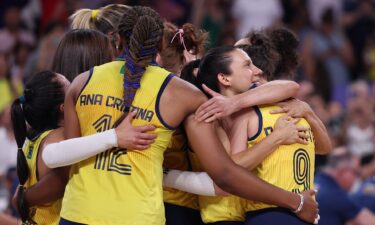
220,106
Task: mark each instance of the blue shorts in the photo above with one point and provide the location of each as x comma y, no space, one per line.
179,215
273,216
67,222
227,223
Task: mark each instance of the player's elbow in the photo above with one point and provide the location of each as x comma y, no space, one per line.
293,88
325,148
224,180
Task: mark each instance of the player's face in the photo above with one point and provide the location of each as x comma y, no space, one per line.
244,72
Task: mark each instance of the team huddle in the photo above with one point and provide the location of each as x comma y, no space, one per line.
137,124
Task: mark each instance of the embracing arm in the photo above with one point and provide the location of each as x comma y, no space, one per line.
300,109
228,175
322,141
220,106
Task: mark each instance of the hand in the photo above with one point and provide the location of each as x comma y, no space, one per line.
134,137
310,208
289,132
217,107
294,108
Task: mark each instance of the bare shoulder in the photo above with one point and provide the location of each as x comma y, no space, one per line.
78,83
179,99
53,137
186,94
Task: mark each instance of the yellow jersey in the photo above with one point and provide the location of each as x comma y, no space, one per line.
48,214
119,186
177,157
290,167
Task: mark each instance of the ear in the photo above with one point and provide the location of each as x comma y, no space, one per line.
61,108
224,79
158,59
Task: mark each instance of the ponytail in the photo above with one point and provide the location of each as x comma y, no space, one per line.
19,127
189,74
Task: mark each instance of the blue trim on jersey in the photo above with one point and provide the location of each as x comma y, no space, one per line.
260,124
68,222
87,82
165,83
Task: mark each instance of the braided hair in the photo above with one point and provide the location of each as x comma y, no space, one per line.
141,30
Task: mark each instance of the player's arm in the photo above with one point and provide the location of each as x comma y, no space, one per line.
300,109
220,106
217,163
77,148
51,182
71,122
285,132
74,150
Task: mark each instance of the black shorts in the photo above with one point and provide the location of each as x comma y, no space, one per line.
273,216
179,215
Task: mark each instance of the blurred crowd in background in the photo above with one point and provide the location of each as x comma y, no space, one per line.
336,72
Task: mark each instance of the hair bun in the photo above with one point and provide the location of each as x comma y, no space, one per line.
28,93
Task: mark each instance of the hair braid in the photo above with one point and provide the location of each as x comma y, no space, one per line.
143,30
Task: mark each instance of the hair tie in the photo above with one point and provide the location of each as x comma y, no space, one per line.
94,13
180,33
22,99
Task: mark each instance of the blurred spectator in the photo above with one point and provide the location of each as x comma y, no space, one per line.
21,54
359,23
365,196
8,146
42,58
328,49
369,57
214,17
360,131
334,183
253,15
13,32
318,7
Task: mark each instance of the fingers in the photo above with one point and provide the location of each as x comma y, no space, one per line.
147,136
144,142
316,220
295,120
310,192
301,128
145,128
203,109
303,135
301,141
207,113
213,118
277,111
130,116
209,91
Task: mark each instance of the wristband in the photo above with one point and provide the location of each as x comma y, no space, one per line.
302,201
